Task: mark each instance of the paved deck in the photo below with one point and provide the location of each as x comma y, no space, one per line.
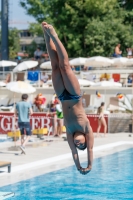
43,156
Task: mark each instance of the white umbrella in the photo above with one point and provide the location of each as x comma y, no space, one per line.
107,84
7,63
25,65
98,61
20,87
46,65
78,61
2,84
120,61
82,82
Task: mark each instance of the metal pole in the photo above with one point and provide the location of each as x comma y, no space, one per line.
4,30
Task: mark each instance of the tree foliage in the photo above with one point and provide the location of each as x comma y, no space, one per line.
86,27
14,44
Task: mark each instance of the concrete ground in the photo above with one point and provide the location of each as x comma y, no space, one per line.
43,156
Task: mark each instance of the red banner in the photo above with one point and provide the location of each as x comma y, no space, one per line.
38,120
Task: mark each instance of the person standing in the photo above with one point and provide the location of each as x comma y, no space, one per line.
54,118
129,52
101,119
118,52
23,111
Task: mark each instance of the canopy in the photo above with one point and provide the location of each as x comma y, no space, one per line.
7,63
98,61
20,87
78,61
25,65
46,65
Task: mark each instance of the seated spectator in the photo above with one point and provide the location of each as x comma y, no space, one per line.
38,54
117,52
129,52
130,78
105,77
44,77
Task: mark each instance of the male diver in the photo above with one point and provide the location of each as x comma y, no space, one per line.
66,85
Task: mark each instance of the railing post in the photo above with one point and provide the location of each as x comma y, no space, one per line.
11,76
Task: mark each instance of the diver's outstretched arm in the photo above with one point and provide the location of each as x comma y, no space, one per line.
89,141
74,150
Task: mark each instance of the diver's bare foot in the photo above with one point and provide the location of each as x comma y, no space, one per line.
44,30
49,29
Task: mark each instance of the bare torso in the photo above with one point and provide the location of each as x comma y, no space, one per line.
74,116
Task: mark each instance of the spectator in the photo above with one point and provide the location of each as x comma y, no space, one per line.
39,101
53,97
101,119
129,52
117,52
24,110
105,77
130,78
56,100
38,54
54,118
44,77
85,68
59,113
18,58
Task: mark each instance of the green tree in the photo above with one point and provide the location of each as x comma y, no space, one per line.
14,44
86,27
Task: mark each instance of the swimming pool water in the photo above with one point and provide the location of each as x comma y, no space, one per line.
5,140
111,178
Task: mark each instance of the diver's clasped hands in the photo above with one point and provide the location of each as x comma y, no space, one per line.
84,171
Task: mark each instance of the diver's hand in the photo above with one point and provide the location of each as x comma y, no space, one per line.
84,171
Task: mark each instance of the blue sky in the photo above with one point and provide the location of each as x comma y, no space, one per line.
17,15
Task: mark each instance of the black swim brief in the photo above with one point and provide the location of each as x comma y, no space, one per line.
67,96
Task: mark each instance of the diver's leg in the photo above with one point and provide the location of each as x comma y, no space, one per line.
56,73
69,78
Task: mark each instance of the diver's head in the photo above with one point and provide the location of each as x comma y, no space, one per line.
79,140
